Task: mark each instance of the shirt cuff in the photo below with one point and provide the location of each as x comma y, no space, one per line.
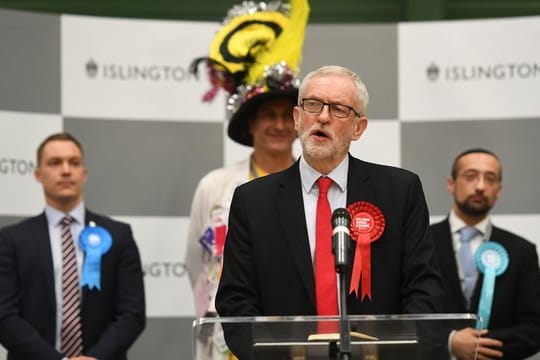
450,352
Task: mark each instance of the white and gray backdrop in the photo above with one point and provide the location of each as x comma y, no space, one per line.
122,87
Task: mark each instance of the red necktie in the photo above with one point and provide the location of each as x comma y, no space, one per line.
71,330
325,274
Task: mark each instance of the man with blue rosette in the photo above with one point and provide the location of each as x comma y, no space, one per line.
71,284
486,270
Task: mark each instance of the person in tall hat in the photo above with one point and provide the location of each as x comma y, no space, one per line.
254,58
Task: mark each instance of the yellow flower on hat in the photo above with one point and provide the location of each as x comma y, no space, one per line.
254,55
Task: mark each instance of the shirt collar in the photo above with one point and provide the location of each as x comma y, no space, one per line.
55,216
309,175
456,224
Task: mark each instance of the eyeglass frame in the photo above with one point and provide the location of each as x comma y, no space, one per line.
488,178
350,108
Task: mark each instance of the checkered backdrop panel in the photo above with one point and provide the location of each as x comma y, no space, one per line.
122,87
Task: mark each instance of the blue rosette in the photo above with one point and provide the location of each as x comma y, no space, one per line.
94,241
492,260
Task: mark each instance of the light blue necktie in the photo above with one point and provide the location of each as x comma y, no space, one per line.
466,259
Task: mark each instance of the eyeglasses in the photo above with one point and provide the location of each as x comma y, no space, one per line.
315,106
474,177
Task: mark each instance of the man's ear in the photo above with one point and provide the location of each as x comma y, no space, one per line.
450,185
360,126
296,117
37,174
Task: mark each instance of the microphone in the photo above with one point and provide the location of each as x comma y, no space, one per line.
341,239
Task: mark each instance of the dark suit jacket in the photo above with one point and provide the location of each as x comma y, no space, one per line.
112,317
268,270
515,314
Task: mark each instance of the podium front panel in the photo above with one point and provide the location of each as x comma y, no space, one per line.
372,337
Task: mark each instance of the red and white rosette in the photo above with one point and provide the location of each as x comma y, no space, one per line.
367,226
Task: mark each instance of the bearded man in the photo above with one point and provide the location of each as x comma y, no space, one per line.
466,244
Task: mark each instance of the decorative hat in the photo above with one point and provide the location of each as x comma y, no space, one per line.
255,56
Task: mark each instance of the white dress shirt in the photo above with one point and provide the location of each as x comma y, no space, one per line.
337,194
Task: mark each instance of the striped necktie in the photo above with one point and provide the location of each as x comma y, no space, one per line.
71,329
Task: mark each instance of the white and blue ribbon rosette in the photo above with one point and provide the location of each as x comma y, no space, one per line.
492,260
94,241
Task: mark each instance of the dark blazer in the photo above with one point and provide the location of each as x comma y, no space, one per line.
268,269
515,314
112,317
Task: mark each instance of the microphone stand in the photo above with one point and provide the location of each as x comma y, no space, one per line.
340,248
344,324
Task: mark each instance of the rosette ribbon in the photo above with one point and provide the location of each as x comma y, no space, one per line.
492,260
94,241
207,240
367,226
217,220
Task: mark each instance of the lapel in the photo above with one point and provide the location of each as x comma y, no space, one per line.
290,208
359,188
88,217
495,237
449,266
40,232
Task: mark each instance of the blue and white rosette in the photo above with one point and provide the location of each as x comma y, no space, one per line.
492,260
94,241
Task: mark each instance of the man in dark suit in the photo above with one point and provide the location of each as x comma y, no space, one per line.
270,252
111,314
514,324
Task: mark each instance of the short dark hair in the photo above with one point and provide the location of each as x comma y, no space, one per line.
473,151
62,136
